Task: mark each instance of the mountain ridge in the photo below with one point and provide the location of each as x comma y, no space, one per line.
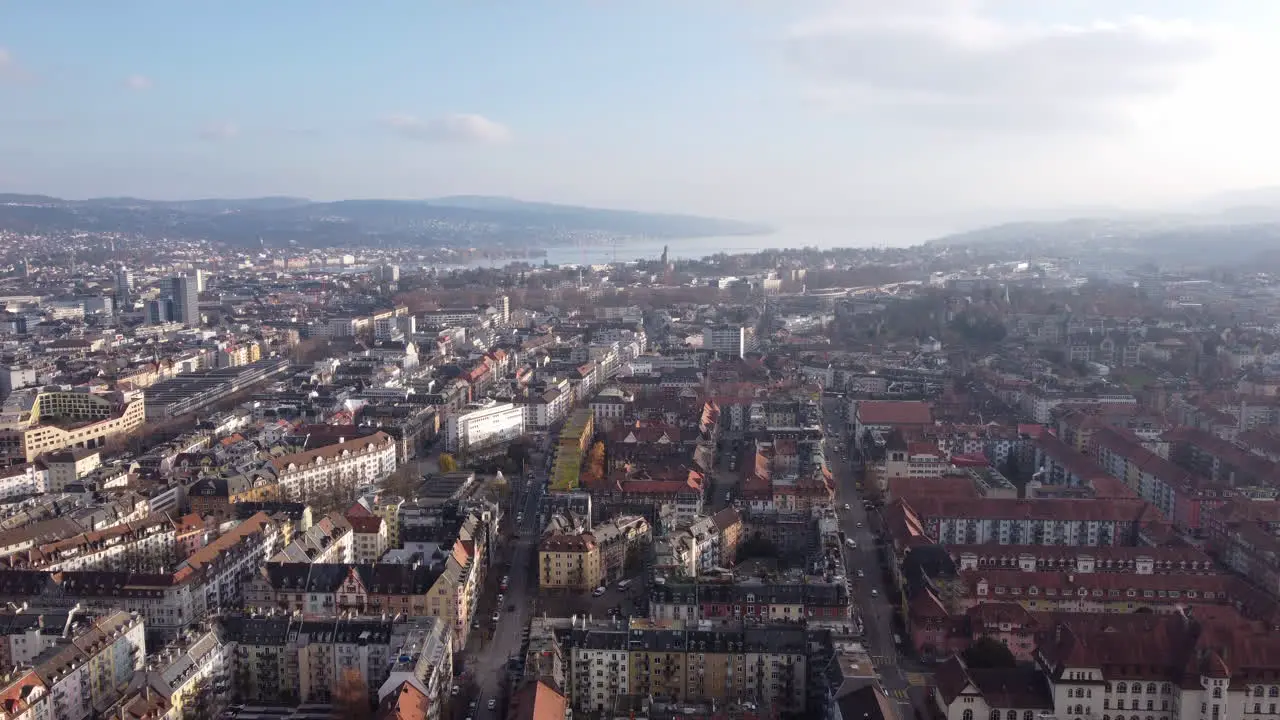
446,221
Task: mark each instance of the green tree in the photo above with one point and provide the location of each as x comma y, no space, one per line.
987,652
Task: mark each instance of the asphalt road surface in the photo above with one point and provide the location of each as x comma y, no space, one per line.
492,644
906,685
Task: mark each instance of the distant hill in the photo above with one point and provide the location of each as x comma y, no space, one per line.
462,220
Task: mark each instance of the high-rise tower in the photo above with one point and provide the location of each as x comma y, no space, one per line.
185,294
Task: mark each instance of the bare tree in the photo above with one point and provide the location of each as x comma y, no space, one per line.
351,697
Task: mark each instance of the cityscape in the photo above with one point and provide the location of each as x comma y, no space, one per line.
819,360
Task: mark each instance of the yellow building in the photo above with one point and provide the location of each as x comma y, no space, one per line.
60,420
570,562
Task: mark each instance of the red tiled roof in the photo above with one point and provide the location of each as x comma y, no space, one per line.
947,486
894,412
1074,461
538,701
1069,585
407,702
1035,509
370,525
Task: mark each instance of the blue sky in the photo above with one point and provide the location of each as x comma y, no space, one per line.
791,110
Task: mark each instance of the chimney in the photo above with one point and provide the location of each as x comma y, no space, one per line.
71,615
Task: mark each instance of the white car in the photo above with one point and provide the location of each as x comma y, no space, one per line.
861,574
846,506
875,593
493,703
858,525
851,542
598,591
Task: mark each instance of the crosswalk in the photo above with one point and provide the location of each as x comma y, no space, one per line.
899,694
917,679
884,660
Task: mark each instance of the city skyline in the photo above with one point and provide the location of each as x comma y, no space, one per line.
760,111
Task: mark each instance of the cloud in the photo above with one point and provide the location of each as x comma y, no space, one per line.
220,131
138,82
957,61
458,128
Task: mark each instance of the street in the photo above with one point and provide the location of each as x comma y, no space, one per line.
906,685
492,644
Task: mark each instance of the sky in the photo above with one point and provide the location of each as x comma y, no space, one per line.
785,111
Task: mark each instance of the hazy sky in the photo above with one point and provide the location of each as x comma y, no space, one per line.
762,109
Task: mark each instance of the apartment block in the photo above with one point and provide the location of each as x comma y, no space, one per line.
669,660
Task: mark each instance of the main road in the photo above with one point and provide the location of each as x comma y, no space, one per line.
871,595
492,643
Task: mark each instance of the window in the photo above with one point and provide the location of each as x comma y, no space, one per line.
968,715
1028,715
995,715
1012,715
1120,688
1151,688
1151,704
1273,691
1257,707
1217,693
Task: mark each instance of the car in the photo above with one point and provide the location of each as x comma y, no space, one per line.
598,591
501,597
493,703
858,525
861,574
875,592
494,618
506,579
456,689
475,703
846,506
851,543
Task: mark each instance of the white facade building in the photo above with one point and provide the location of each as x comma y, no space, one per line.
481,424
342,466
727,339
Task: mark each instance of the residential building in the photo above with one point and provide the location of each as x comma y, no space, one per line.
33,423
569,562
335,469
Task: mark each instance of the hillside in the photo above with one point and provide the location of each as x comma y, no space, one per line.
452,221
